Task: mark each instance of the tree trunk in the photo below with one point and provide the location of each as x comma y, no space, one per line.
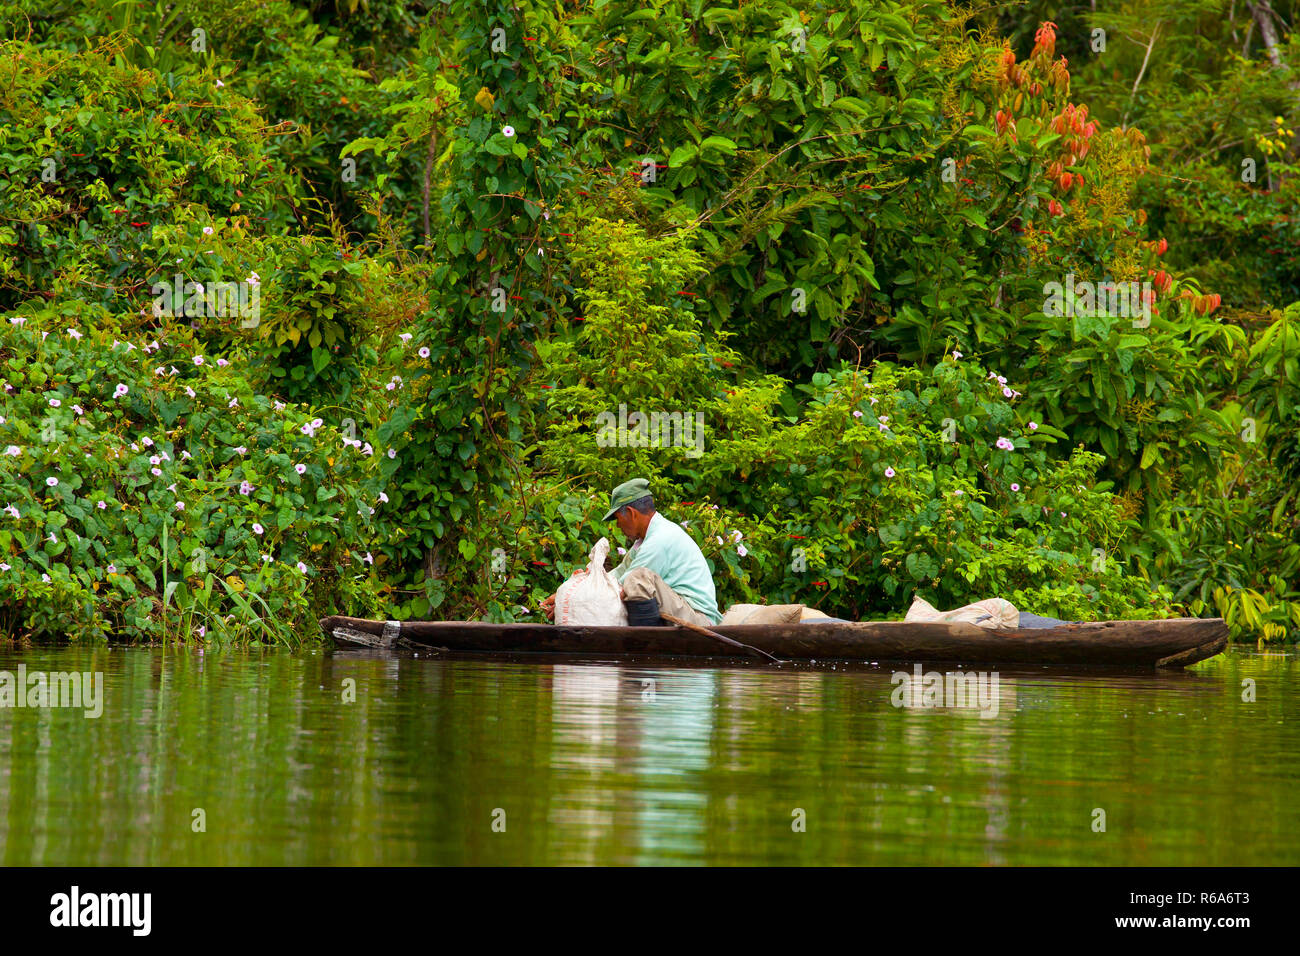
1264,16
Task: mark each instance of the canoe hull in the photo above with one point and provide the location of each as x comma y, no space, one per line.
1172,643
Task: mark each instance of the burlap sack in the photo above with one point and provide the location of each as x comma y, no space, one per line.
993,613
762,614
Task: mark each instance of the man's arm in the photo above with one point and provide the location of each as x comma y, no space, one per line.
638,556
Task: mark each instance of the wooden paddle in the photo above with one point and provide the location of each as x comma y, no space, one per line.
718,637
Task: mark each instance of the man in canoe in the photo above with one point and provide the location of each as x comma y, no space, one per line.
664,571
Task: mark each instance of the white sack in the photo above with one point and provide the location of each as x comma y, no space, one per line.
591,598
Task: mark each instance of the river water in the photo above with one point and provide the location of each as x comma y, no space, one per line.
270,757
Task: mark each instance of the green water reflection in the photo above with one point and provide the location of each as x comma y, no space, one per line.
595,763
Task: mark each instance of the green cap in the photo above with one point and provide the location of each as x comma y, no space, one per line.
626,493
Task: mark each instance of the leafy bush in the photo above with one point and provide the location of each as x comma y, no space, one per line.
882,486
150,492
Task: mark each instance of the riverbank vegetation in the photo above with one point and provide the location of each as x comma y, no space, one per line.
362,308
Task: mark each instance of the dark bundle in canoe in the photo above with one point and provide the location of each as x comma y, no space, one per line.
1173,643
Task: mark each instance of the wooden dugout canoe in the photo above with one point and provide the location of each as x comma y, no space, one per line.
1174,642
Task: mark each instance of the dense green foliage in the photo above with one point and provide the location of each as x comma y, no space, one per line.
151,491
817,239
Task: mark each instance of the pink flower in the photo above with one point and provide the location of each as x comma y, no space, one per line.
222,363
1014,486
75,334
405,336
424,352
383,496
300,469
52,481
1005,444
232,403
111,569
245,488
207,230
190,392
257,528
101,504
1033,426
1006,391
120,390
740,550
507,131
78,409
180,506
889,473
956,355
155,460
198,360
856,413
55,403
155,472
392,453
302,567
13,450
242,449
148,442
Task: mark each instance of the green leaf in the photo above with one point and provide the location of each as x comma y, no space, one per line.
682,155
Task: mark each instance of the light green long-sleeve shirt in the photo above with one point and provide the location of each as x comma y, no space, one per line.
673,554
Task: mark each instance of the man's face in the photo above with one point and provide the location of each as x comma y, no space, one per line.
626,519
